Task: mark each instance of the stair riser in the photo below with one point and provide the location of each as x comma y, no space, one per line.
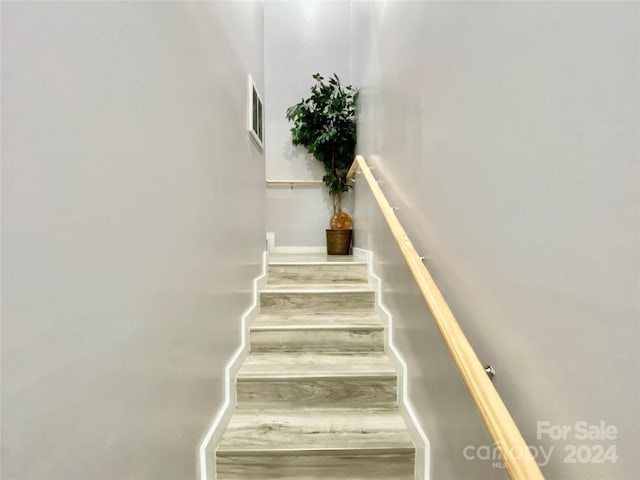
329,273
316,302
319,340
346,466
310,392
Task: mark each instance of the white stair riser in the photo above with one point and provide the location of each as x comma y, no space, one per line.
348,465
317,340
314,392
316,302
326,273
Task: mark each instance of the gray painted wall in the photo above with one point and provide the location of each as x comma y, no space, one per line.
300,39
507,133
132,225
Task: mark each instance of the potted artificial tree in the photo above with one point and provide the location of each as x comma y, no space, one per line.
325,124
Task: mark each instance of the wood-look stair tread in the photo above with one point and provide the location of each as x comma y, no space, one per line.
315,432
305,273
285,365
292,321
320,288
366,474
311,263
276,299
313,259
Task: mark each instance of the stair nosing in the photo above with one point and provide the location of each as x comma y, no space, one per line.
286,328
330,289
311,263
263,451
356,376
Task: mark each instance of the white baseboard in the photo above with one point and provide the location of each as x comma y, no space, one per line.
360,254
422,465
206,452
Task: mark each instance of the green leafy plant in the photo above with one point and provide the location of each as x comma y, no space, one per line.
325,124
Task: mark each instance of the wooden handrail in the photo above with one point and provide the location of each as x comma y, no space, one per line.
515,453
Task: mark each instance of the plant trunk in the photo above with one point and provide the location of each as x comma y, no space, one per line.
337,203
337,198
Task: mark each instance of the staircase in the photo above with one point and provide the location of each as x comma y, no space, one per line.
316,397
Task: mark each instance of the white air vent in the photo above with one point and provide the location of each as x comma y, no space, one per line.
255,114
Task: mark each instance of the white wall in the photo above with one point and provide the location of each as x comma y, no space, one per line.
132,225
507,133
300,39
